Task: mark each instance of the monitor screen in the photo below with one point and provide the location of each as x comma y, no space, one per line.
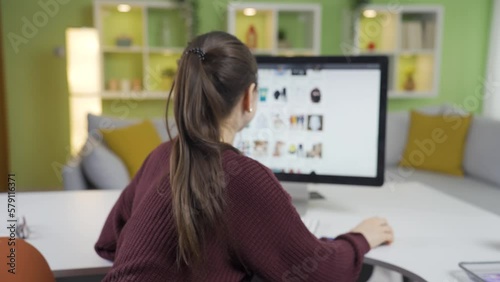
320,119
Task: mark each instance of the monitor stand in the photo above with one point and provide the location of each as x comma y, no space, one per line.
299,191
300,195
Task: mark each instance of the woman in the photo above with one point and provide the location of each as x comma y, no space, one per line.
198,210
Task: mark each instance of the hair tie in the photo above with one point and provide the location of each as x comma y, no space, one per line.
198,52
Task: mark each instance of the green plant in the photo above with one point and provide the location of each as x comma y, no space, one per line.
192,14
168,73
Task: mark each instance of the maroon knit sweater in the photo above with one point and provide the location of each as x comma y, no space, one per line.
265,235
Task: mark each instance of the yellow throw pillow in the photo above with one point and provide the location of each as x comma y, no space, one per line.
436,143
133,143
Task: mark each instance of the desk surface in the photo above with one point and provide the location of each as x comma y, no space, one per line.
433,231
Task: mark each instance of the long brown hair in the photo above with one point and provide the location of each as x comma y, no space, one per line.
214,72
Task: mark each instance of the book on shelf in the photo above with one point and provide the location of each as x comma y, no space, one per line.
418,35
404,36
412,35
429,34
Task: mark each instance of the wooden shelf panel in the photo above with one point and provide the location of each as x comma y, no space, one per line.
141,95
411,95
118,49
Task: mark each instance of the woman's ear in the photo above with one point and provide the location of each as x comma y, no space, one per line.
250,98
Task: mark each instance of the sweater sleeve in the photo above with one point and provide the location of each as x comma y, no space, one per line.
271,240
116,220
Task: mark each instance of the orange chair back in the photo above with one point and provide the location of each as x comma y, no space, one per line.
22,262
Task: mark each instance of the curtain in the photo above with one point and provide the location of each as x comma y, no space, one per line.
492,85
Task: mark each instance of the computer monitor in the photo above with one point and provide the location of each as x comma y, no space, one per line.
320,119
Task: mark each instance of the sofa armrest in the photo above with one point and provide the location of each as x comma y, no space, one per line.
73,177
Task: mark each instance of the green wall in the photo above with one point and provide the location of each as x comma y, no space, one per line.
37,96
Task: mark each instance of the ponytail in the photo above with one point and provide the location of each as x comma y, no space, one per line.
212,75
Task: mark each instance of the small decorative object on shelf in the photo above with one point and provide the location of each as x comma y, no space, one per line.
283,42
409,82
136,85
113,84
168,76
124,41
371,46
251,37
125,85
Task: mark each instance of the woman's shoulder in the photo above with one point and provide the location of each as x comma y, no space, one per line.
158,158
242,172
161,151
237,164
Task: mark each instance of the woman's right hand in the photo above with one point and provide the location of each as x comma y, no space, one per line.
376,231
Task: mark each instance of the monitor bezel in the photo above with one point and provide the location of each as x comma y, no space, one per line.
383,61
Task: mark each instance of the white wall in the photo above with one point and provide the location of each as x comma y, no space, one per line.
492,90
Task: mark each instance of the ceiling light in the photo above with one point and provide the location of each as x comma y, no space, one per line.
249,12
124,8
370,13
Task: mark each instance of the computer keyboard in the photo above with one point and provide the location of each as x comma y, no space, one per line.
312,224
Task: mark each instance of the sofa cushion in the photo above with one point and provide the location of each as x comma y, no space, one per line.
102,167
132,143
482,154
397,128
436,144
472,190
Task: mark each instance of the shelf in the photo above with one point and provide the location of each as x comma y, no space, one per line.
117,49
160,71
415,71
286,29
140,45
295,29
116,24
142,95
411,38
417,52
167,28
166,51
256,31
372,37
418,30
411,95
376,53
119,66
260,51
296,52
139,49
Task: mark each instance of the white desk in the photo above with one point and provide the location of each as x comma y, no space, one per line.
433,231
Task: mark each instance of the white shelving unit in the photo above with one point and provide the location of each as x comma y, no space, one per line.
277,29
411,36
158,33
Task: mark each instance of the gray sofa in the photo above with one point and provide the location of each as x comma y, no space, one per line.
98,167
481,163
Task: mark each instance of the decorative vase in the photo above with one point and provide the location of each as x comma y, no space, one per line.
409,83
251,37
